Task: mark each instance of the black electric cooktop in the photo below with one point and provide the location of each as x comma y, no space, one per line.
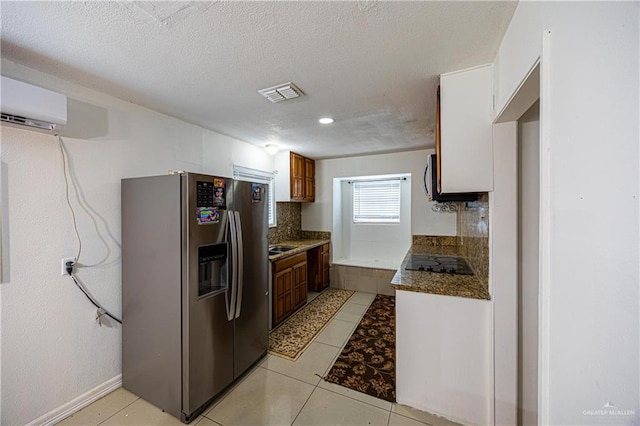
443,264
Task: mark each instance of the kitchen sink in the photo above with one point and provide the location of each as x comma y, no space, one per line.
279,249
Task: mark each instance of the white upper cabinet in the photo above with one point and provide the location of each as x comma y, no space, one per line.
465,151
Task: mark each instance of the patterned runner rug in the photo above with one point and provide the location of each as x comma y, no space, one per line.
294,335
367,363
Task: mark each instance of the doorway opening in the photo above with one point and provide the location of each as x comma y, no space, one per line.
517,260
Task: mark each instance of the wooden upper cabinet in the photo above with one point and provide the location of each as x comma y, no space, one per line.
309,180
464,131
295,180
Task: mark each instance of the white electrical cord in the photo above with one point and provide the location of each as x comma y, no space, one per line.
101,311
66,192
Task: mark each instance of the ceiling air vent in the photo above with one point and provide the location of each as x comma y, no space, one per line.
281,92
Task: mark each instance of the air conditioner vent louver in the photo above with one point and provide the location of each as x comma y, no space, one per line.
281,92
16,119
13,118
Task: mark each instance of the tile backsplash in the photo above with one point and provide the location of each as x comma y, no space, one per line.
473,235
316,235
288,223
435,240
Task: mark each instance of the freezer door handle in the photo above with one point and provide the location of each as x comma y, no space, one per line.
231,308
240,263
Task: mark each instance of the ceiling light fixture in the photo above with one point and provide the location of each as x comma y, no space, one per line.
326,120
271,148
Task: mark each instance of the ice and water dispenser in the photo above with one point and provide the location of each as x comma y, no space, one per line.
212,269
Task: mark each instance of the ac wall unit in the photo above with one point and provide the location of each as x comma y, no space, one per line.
31,107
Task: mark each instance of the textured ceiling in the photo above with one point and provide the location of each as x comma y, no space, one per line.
371,65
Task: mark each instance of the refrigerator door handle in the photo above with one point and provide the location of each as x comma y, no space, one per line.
240,273
231,307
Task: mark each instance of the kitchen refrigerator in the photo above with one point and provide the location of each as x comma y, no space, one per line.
194,287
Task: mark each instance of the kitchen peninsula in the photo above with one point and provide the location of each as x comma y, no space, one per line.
443,338
445,284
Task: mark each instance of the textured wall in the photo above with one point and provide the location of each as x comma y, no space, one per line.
53,351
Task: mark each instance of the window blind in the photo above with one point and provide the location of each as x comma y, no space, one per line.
376,201
259,176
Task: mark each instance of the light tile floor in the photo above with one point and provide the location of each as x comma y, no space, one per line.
276,392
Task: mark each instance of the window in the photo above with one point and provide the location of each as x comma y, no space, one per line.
259,176
272,204
376,201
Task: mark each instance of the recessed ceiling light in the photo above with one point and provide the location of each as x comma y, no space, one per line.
271,148
326,120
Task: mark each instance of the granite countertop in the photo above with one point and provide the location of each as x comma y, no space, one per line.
468,286
300,246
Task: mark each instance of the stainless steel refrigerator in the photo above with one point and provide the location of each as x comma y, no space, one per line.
194,287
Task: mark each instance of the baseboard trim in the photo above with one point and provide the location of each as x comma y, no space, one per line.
58,414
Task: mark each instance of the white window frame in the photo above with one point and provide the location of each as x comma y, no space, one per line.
260,176
376,212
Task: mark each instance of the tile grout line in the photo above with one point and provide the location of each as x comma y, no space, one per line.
231,388
123,408
359,400
305,404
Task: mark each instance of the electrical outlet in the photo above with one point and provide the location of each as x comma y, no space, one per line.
64,264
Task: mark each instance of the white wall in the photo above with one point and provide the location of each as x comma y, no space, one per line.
52,349
387,242
589,326
318,216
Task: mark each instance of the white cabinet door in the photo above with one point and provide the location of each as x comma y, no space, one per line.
282,179
466,144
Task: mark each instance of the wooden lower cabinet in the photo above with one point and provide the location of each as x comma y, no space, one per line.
318,260
299,274
289,286
325,266
282,295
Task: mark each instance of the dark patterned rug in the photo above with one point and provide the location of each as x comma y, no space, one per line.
367,363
